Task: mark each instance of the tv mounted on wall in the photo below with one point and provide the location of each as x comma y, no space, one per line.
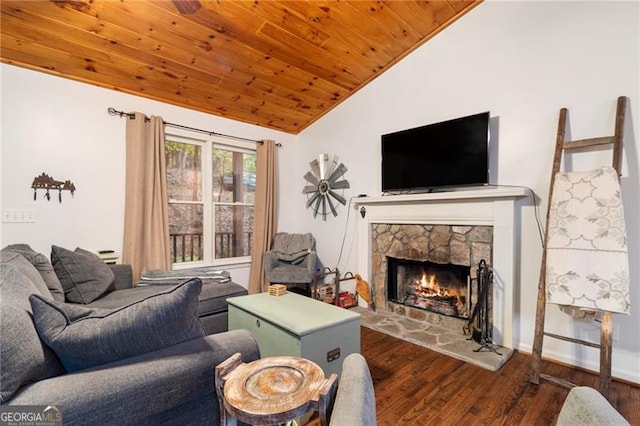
453,153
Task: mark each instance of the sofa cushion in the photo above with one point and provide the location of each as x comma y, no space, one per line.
119,298
24,266
44,267
84,341
23,357
212,300
171,386
84,276
212,303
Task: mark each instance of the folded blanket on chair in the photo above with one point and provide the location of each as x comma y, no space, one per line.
292,248
587,259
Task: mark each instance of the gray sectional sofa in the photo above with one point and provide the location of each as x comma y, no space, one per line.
355,403
146,359
81,277
212,302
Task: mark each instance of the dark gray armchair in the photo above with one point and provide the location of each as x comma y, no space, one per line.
291,260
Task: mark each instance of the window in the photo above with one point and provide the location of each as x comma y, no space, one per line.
211,190
234,185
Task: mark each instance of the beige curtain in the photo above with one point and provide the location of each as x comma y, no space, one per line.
146,218
265,212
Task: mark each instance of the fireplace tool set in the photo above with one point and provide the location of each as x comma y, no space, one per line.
479,325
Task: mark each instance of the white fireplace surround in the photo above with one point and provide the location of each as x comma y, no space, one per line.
489,206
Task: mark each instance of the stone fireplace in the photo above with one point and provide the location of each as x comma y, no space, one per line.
458,228
424,271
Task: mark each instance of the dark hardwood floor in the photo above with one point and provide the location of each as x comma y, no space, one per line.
416,386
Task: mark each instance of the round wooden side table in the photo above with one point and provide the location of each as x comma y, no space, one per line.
272,390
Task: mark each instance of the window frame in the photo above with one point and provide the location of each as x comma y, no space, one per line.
208,143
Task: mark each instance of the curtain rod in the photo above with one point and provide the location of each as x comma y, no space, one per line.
113,111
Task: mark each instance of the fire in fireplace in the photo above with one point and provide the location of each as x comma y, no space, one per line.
442,288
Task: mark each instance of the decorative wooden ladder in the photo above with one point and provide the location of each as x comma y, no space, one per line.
604,383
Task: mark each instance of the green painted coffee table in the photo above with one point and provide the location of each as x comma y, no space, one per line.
296,325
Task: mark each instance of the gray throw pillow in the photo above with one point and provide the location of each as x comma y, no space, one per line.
19,261
84,341
84,276
43,266
24,358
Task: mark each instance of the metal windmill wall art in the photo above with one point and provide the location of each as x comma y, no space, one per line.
324,179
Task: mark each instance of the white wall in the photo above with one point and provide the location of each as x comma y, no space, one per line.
523,61
61,127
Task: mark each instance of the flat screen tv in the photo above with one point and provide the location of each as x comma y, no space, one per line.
453,153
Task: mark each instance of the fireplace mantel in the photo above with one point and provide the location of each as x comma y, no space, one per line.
491,206
480,192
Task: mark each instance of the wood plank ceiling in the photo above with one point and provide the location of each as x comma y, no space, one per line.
277,64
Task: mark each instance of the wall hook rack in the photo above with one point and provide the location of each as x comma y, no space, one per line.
46,182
